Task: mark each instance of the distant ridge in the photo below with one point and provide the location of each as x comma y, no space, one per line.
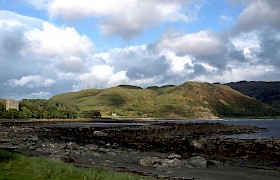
129,86
160,87
267,92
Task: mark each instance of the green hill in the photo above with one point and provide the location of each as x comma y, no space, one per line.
191,99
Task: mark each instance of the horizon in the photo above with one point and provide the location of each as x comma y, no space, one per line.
51,47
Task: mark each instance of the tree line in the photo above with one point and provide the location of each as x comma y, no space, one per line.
46,109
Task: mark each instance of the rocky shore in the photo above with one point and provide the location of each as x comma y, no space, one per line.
166,150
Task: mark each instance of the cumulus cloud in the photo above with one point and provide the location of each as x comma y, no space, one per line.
101,76
31,81
35,52
56,41
200,44
39,58
71,64
257,14
38,95
124,18
237,72
248,44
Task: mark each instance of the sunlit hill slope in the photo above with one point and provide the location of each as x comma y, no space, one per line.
189,100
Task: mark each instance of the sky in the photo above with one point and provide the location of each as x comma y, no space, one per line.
48,47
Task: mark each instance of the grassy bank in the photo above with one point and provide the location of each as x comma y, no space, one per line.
17,166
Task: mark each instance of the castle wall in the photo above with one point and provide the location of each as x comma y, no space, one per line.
12,104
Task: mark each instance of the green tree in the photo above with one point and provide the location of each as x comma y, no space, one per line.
94,114
90,114
25,113
11,114
2,109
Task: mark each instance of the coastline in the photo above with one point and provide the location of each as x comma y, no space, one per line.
125,148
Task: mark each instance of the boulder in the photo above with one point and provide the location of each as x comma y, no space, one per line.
112,153
196,162
196,146
103,150
173,163
95,154
173,156
149,161
214,163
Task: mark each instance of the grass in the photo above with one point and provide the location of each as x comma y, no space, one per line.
184,101
17,166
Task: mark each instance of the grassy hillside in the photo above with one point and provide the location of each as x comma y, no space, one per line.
191,99
267,92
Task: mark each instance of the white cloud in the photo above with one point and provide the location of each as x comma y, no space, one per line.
258,14
39,95
248,43
226,19
100,76
12,20
56,41
238,72
72,64
177,63
201,44
44,50
125,18
31,81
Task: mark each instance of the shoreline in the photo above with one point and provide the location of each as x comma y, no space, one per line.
169,146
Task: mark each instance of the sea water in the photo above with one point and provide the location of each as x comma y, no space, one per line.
272,127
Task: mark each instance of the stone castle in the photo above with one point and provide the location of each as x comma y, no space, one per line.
12,104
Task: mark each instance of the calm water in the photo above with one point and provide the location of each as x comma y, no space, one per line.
272,127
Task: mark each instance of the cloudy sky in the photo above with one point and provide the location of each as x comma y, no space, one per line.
54,46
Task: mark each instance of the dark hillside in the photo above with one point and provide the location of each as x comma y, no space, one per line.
267,92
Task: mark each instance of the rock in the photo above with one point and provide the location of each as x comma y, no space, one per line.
72,145
8,147
196,162
109,161
115,145
92,147
214,163
173,163
99,133
149,161
67,159
111,153
173,156
161,167
196,146
95,154
77,152
34,138
103,150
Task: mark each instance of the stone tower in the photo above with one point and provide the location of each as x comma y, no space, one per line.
12,104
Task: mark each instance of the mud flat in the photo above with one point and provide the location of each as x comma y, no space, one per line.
167,150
